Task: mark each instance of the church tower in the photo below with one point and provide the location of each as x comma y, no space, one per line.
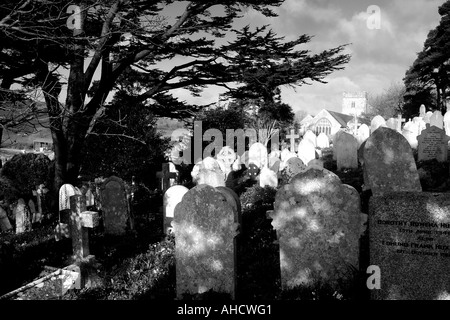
354,103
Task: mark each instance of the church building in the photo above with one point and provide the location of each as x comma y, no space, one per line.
330,122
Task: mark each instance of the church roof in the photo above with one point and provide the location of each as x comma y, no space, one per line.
343,119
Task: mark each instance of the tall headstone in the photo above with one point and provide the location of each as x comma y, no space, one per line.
422,111
171,198
205,228
306,151
322,141
410,244
115,206
335,138
389,163
22,214
346,152
318,223
377,121
433,144
257,154
437,119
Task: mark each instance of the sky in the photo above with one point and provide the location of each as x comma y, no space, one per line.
383,44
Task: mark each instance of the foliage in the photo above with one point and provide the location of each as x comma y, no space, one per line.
432,65
27,171
129,40
389,103
7,190
124,143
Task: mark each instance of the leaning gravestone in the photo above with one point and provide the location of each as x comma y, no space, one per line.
115,206
205,228
171,198
389,163
346,151
22,214
410,244
433,144
318,223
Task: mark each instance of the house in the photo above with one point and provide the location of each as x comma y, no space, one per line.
42,144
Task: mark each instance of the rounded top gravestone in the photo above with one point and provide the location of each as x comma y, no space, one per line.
318,222
389,164
311,137
306,151
293,166
377,121
171,198
257,154
447,123
323,141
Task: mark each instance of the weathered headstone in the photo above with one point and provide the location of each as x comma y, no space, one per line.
447,123
335,138
389,163
363,134
225,158
410,244
306,151
257,154
391,123
318,223
322,141
293,166
422,111
5,225
377,121
115,206
32,209
427,116
171,198
205,228
208,172
437,119
410,133
346,151
315,163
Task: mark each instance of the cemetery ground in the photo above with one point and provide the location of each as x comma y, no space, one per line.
140,265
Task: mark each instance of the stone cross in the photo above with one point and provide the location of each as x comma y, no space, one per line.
81,221
165,175
400,120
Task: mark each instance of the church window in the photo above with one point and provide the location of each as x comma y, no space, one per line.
323,125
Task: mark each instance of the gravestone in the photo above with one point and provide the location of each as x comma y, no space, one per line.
244,158
400,120
422,111
335,138
389,163
322,141
447,123
363,134
410,243
257,154
437,119
377,121
433,144
253,171
166,176
427,116
346,152
410,133
318,222
22,215
65,192
5,225
115,206
171,198
268,177
311,137
315,163
306,151
208,172
225,158
205,229
33,213
391,123
293,167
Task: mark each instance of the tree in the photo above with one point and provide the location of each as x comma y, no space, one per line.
431,68
129,39
389,103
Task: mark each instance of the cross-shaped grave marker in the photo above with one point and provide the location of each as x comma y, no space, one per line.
165,175
400,120
81,221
